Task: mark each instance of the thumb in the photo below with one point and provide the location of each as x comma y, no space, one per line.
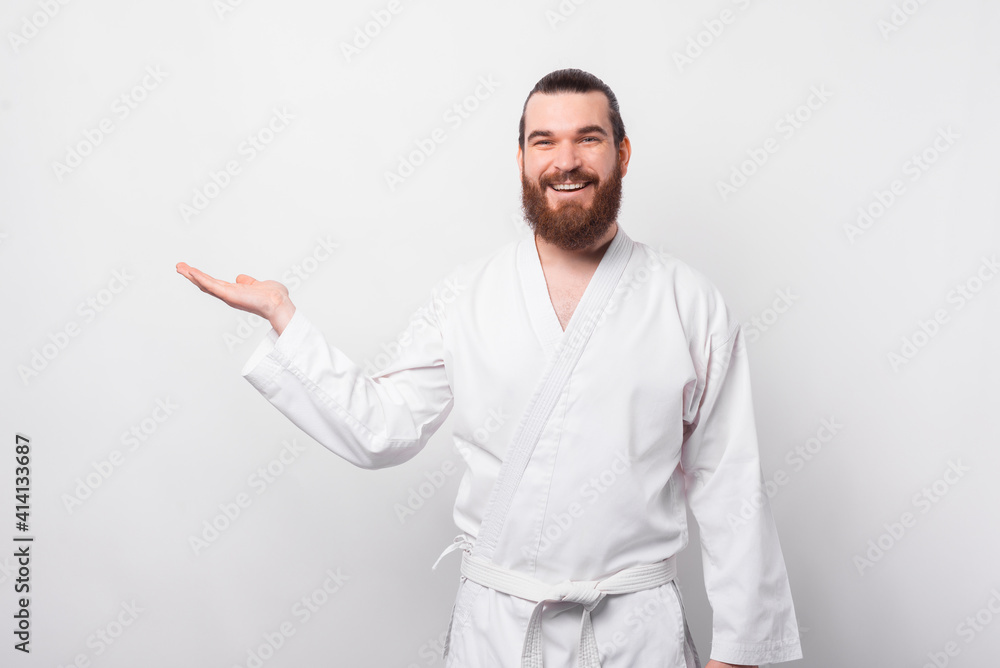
243,279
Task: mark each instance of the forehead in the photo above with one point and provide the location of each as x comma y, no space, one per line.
565,112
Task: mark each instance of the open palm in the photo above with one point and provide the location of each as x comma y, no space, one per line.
268,299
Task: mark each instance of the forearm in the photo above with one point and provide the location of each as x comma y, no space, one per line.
370,423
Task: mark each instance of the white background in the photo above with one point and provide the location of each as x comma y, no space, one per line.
894,75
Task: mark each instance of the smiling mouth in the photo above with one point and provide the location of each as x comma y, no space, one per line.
569,187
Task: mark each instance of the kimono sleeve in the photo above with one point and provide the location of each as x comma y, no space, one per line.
372,420
745,577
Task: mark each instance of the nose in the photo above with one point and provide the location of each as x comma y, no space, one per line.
567,157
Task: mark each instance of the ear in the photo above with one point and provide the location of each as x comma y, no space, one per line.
520,160
624,153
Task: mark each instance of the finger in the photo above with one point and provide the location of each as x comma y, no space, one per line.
188,272
185,270
243,279
200,277
206,283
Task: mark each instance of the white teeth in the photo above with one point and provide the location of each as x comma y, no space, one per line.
568,186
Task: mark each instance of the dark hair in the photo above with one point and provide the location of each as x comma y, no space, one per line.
576,81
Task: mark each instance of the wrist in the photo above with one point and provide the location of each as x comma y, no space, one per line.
281,315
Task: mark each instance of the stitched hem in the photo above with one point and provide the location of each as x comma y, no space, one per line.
757,653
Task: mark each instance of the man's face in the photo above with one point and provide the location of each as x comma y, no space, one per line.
571,170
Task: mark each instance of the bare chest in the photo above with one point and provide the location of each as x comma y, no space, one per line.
565,292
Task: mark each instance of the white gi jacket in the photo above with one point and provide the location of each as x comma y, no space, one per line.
657,413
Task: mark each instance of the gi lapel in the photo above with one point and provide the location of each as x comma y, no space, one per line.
549,388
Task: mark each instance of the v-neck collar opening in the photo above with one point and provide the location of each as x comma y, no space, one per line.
541,311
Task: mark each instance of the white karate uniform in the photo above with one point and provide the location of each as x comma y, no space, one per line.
657,413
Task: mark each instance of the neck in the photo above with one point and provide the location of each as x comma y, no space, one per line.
552,255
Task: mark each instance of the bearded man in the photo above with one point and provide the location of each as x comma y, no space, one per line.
630,381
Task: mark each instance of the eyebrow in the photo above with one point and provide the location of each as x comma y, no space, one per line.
587,129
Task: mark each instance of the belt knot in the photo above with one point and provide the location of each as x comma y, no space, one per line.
583,592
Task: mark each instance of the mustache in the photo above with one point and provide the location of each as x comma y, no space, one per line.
572,176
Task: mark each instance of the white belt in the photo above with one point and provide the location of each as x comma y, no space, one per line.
587,593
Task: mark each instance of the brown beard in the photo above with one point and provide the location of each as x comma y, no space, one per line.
572,226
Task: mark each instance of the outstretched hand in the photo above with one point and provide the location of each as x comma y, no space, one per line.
268,299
